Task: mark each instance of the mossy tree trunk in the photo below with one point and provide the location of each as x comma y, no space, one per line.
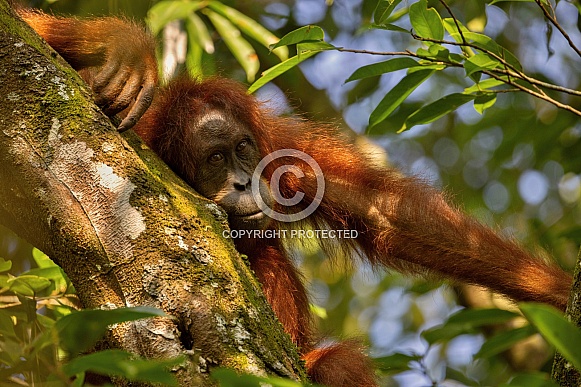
124,228
563,371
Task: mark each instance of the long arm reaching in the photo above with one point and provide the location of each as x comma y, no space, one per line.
406,224
115,57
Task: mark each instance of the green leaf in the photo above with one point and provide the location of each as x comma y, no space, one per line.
483,85
450,26
314,46
459,376
230,378
439,51
194,59
476,77
514,1
436,109
480,62
165,11
59,282
279,69
426,22
42,342
240,48
383,10
114,362
389,27
4,280
491,46
380,68
556,329
318,311
398,362
484,101
435,51
456,58
465,321
445,333
397,95
5,265
11,355
250,27
396,15
28,285
536,379
79,331
480,317
41,259
303,34
195,51
427,65
6,326
504,340
198,32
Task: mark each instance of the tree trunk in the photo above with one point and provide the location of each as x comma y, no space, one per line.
123,227
563,372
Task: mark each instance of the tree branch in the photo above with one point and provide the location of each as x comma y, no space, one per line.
94,202
554,21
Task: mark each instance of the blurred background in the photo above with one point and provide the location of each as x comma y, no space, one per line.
515,168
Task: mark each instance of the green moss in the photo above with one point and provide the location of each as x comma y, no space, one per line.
17,27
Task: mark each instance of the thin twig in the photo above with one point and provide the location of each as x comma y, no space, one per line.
554,21
534,93
455,21
399,53
510,67
514,73
384,53
467,44
502,91
503,75
546,85
510,71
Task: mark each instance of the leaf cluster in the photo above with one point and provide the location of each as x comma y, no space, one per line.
446,44
44,339
550,323
233,27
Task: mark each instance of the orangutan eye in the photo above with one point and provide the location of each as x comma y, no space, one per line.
216,158
241,146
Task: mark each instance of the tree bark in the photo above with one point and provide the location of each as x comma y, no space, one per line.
563,371
123,227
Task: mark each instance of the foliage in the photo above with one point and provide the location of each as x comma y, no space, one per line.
231,25
489,67
229,378
43,337
543,319
558,331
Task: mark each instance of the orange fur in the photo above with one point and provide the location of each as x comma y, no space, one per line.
285,292
328,365
402,222
85,42
115,57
